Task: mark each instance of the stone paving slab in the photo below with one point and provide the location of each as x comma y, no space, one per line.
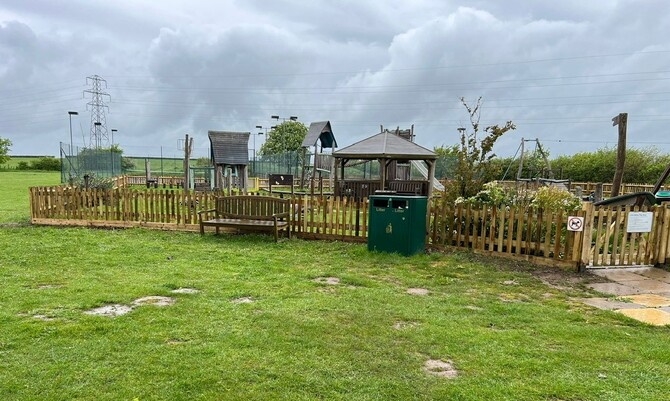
656,274
609,304
649,286
650,300
620,276
654,317
614,289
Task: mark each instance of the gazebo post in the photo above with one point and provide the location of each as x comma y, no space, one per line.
431,177
382,173
336,162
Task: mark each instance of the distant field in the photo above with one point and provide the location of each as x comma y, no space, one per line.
15,199
15,160
168,166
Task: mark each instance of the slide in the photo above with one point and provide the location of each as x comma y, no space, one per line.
423,170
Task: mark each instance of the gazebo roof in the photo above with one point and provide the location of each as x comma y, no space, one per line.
229,148
320,131
385,146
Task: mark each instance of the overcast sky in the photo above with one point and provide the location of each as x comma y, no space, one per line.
559,69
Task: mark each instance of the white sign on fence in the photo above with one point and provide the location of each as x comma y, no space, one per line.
639,222
575,223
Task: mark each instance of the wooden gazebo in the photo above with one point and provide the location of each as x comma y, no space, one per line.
230,154
385,148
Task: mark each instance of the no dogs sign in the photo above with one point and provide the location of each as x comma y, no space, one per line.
575,223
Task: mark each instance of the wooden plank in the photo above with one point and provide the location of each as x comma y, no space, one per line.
468,226
530,214
598,255
609,225
459,224
519,231
493,219
559,233
501,228
618,217
510,229
623,249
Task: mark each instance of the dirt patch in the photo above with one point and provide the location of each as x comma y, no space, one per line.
110,310
243,300
510,282
440,368
185,291
43,318
418,291
48,286
176,341
474,308
327,280
403,324
154,300
513,297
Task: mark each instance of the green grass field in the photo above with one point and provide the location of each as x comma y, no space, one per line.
15,199
509,336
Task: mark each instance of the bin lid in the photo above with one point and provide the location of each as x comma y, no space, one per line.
663,195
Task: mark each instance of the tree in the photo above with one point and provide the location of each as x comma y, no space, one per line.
475,154
286,137
4,149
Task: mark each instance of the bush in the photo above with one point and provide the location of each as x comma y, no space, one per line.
555,199
22,165
546,198
94,182
46,163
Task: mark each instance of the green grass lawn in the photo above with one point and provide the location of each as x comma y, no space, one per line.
300,339
15,198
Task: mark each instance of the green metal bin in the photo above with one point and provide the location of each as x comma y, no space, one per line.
397,224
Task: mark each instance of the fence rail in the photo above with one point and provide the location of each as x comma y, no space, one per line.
521,233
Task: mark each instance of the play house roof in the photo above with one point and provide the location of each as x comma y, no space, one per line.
229,148
320,131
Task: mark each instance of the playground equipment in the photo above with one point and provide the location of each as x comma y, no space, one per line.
320,136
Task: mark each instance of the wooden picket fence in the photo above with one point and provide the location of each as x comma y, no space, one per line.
526,233
518,233
315,217
120,207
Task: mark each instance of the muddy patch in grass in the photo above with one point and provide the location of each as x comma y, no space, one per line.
440,368
405,324
327,280
185,291
112,310
176,341
154,300
243,300
44,318
418,291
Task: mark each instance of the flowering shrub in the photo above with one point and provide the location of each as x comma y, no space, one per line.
554,198
547,198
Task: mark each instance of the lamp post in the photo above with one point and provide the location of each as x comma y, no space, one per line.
70,114
111,149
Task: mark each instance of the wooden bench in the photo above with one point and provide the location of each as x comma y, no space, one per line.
248,212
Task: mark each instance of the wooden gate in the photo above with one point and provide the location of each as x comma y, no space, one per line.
627,236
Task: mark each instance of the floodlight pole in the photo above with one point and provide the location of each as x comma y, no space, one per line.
111,149
70,114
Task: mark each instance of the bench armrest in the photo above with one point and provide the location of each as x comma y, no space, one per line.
280,215
205,212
